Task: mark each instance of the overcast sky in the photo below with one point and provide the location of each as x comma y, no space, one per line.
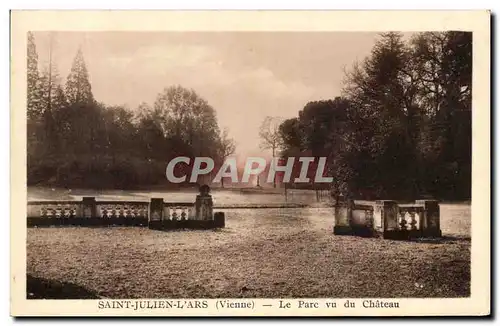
244,76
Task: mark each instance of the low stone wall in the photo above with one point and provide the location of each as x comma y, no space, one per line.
156,214
85,221
388,219
217,222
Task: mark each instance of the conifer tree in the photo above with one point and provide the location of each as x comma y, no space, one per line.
33,79
78,89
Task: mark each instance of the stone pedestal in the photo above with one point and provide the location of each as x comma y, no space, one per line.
343,216
204,204
219,220
155,214
430,223
386,217
89,207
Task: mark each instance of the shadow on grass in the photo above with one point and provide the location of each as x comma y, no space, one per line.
444,239
39,288
404,237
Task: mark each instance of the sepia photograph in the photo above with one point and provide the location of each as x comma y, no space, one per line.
165,169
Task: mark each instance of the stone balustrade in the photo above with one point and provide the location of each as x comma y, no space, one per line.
388,218
156,213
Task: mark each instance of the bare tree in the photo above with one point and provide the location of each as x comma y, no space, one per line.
227,147
270,136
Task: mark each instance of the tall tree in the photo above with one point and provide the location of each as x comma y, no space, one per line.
188,118
292,137
444,72
227,147
189,123
34,107
78,88
270,136
319,131
149,124
384,117
49,86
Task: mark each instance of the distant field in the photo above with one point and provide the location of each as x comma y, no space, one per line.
220,196
260,253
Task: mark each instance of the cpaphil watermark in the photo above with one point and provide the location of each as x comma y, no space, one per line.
306,169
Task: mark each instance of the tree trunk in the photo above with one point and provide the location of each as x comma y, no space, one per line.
274,177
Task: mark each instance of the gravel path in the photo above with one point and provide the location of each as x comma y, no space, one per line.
260,253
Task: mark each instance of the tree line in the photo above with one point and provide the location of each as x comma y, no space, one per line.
76,141
401,128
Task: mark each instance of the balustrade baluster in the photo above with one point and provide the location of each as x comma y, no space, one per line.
413,221
403,221
368,218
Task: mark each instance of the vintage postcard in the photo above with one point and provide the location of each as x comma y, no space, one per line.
250,163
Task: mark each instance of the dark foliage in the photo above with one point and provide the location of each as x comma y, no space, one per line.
75,141
402,128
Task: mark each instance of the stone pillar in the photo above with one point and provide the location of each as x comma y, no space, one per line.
155,214
378,213
89,207
430,222
388,221
204,204
343,216
219,220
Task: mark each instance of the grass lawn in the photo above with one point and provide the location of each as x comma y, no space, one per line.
260,253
